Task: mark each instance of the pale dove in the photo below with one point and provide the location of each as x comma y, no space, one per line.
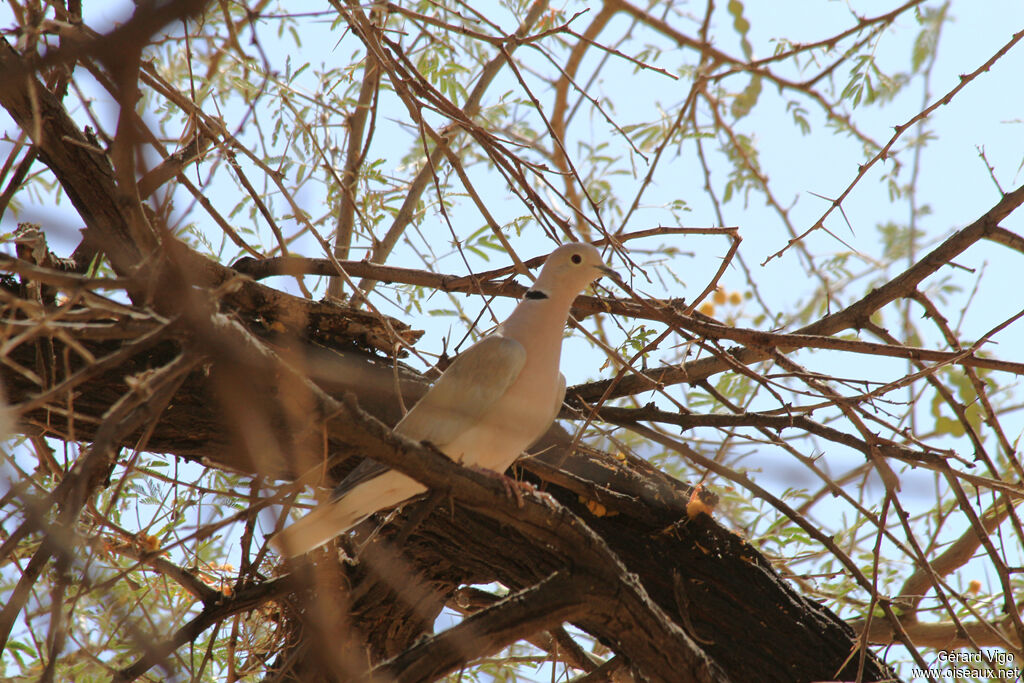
497,398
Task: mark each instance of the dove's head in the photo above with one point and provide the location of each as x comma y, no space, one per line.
570,269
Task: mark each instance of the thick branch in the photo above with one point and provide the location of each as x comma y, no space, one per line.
642,629
942,635
537,608
959,553
82,168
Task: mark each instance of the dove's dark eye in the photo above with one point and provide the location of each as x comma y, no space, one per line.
576,258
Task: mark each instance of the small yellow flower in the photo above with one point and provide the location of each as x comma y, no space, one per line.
596,508
702,500
147,542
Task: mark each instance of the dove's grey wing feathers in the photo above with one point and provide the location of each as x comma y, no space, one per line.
468,388
456,399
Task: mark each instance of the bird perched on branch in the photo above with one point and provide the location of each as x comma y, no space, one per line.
497,398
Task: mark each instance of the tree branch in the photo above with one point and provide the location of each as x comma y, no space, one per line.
853,316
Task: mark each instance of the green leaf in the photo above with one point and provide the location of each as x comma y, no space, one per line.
742,26
746,100
947,425
931,19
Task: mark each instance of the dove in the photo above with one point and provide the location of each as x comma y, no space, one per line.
494,400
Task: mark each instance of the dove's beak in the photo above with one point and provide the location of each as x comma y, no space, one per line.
605,270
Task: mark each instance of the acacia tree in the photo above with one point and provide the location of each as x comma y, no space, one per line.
387,167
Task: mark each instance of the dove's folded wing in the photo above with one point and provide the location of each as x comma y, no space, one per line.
477,378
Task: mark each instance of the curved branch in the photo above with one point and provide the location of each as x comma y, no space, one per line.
943,635
853,316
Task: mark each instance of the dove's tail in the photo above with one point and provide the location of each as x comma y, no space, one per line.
338,516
